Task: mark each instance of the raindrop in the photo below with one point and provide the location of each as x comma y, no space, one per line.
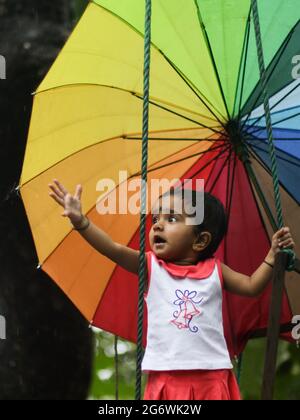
27,45
123,348
105,374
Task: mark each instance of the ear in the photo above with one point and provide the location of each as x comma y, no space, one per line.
202,241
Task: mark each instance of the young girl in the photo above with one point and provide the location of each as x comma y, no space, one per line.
186,356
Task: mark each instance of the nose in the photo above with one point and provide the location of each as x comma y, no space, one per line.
158,226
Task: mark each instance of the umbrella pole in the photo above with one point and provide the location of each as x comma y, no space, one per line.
274,326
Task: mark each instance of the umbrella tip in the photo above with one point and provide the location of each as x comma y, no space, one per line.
17,190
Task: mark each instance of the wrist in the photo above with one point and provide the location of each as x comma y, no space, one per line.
81,224
270,257
269,264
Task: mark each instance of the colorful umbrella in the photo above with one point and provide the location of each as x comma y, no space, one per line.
206,121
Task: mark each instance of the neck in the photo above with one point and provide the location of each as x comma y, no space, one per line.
193,260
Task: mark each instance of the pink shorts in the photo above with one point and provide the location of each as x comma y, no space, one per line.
192,385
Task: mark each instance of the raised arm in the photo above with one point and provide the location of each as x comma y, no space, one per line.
127,258
253,285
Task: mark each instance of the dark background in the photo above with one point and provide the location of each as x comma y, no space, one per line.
48,349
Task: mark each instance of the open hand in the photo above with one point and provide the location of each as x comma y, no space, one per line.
70,203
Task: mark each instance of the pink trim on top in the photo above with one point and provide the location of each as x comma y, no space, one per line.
198,271
225,319
218,262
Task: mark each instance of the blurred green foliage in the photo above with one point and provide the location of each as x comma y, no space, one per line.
104,384
104,380
287,386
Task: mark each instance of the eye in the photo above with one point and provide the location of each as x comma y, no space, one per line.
154,219
172,219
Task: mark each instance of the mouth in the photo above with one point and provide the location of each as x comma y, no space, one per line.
158,240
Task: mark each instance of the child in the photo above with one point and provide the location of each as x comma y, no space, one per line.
186,355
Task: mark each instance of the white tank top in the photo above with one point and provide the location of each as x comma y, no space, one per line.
185,323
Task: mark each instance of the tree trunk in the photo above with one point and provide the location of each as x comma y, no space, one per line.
47,353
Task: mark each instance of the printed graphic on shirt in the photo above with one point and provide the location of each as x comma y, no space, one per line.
187,310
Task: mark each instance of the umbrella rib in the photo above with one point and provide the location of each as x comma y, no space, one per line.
178,114
184,78
229,311
228,179
230,189
153,167
228,211
69,156
283,151
179,160
135,94
254,185
203,28
193,88
181,150
190,84
243,64
261,116
210,161
79,151
257,139
282,47
276,122
278,156
280,111
221,169
265,167
253,178
172,139
274,105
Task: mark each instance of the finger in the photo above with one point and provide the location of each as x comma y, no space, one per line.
285,231
286,243
57,198
60,186
277,234
280,232
78,192
285,237
56,190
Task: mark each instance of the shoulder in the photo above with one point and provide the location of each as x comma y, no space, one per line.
234,281
227,273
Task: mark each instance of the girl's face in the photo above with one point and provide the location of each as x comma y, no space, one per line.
171,238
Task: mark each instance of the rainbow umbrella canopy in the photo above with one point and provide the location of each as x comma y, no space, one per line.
206,120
